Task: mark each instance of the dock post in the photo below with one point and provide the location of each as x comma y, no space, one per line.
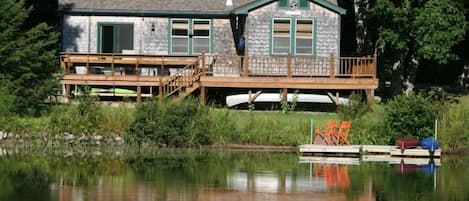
311,131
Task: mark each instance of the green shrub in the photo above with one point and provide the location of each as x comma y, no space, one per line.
409,115
355,108
367,129
172,123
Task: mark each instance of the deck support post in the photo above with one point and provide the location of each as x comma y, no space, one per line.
202,95
139,94
160,88
374,66
370,94
285,94
67,92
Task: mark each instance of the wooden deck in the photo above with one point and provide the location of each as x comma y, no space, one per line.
176,73
357,150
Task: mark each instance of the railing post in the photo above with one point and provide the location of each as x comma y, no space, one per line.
332,66
203,63
245,66
88,63
375,66
112,65
289,65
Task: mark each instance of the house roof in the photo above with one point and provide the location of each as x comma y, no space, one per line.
164,7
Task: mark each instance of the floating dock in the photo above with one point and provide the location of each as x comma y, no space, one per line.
358,150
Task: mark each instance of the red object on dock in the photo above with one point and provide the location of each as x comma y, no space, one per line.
407,142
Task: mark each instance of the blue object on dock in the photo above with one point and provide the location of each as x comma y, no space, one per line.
430,144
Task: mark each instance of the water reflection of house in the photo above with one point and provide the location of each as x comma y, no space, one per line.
241,186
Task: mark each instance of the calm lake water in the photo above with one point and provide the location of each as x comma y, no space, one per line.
193,175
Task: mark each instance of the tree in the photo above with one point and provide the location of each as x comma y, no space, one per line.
408,32
27,57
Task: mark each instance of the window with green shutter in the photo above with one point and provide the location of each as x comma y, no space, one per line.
283,3
302,4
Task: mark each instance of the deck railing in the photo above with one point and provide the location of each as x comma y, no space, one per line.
287,66
221,65
183,78
121,64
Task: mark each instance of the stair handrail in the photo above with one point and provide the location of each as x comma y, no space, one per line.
182,78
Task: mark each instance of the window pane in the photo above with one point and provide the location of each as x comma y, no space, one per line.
281,45
180,28
304,46
125,37
281,36
201,44
304,37
179,45
107,39
201,28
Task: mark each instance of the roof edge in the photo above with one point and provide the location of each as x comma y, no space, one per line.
330,6
142,13
256,4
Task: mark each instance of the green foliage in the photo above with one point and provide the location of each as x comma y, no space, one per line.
367,128
406,34
355,108
27,58
171,123
409,115
454,125
439,25
286,106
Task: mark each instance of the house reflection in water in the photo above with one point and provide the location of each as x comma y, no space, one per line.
327,182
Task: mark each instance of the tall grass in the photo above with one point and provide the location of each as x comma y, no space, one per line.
454,124
271,127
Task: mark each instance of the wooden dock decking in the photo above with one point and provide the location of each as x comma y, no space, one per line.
358,150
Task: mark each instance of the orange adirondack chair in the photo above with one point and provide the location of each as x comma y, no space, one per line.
326,135
342,135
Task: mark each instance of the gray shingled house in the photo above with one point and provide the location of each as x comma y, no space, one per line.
151,44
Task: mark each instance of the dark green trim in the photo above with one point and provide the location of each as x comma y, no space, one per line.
251,6
315,35
211,36
330,6
272,35
190,40
303,4
170,39
256,4
115,33
283,4
313,41
293,27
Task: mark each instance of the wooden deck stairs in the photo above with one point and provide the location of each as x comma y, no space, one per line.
184,82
